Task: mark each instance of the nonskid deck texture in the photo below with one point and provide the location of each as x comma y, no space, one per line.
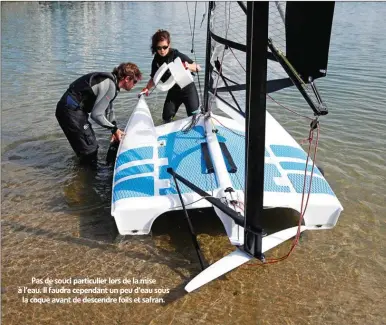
183,153
291,160
143,189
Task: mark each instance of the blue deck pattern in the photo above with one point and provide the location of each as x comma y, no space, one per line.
290,165
133,170
183,151
236,146
319,185
287,151
184,154
135,187
134,154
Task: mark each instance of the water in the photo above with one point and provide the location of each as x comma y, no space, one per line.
56,216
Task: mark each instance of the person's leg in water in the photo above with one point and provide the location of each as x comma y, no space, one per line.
90,159
79,133
88,155
112,153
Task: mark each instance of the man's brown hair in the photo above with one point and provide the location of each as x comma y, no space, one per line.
128,69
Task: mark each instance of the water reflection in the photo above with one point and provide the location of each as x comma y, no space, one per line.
56,214
87,194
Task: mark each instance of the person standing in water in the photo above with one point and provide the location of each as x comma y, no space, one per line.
93,94
176,96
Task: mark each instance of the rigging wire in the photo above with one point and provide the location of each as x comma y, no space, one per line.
245,70
234,132
292,111
202,198
303,207
305,86
203,16
192,33
190,24
239,204
270,97
227,24
191,124
194,26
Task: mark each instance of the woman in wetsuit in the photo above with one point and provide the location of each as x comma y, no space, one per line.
93,94
176,96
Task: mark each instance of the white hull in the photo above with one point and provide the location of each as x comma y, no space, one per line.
143,190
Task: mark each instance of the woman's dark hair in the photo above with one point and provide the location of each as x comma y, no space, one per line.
159,36
128,69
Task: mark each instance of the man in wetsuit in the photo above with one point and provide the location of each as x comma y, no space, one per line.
93,94
175,96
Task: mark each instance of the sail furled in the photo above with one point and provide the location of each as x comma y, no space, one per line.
308,30
298,44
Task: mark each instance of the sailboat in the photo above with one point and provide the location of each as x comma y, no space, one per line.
245,162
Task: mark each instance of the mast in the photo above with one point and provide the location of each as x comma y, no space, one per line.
257,37
207,61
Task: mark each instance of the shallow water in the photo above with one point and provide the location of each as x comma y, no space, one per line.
56,216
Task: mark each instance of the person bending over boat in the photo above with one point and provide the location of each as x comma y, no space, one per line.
160,46
93,94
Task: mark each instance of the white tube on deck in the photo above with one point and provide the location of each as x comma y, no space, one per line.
234,232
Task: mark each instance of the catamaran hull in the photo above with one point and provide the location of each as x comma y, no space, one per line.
143,190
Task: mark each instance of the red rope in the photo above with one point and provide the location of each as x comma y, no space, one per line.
303,207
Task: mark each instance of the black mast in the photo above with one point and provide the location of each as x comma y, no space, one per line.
207,61
257,38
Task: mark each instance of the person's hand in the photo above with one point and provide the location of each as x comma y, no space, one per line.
117,136
186,65
144,91
191,67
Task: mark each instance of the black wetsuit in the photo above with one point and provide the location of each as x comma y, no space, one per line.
90,94
176,96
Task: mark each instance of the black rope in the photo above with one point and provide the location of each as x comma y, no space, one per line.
192,32
203,198
193,122
190,25
203,16
194,27
240,135
191,229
